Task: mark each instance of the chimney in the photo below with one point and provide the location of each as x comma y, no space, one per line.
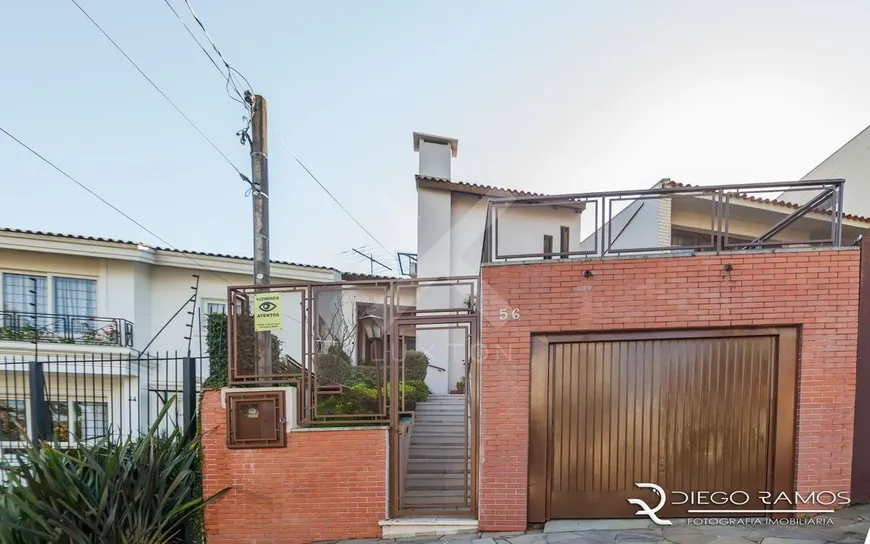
435,154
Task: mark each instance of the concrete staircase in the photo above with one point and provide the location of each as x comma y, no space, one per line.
439,456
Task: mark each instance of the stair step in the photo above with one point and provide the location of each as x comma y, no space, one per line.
438,501
436,466
457,419
435,482
436,442
444,493
429,453
437,433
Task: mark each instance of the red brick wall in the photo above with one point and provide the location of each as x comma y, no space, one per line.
325,485
815,289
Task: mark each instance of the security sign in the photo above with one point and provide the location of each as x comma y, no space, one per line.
267,312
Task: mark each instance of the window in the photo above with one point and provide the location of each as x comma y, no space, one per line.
13,420
74,420
77,298
74,296
215,308
17,296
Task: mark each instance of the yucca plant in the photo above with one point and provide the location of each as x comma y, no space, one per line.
136,491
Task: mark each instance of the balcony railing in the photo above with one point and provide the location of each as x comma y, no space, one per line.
65,329
720,218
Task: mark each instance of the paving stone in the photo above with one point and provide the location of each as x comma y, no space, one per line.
687,535
851,540
852,512
501,536
796,540
581,526
561,537
460,538
731,540
483,541
529,538
363,541
638,536
726,530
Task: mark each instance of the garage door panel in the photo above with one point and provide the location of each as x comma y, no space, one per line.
687,414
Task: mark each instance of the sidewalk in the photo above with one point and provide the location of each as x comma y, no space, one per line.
846,526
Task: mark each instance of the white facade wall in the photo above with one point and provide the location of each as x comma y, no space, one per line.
645,223
434,260
851,163
450,243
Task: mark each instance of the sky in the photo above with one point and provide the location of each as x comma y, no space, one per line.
552,96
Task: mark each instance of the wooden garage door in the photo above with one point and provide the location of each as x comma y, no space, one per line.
687,411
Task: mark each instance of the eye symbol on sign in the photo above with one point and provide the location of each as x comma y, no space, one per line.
267,306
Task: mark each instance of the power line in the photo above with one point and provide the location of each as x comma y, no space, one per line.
190,32
230,69
340,205
149,80
109,204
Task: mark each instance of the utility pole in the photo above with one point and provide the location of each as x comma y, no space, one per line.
260,197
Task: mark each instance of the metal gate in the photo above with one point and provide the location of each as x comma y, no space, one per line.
688,411
448,487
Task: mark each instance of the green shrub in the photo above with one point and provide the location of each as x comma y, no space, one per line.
333,366
216,340
366,375
354,400
141,491
416,365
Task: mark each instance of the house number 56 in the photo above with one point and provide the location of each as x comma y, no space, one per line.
504,314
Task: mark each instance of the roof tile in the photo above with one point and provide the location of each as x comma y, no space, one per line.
772,201
181,251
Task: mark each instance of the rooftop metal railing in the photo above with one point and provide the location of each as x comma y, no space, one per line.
726,218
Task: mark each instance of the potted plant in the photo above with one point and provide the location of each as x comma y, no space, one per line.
460,387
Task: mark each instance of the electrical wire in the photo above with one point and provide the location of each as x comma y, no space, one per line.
127,216
149,80
230,71
192,35
227,76
327,191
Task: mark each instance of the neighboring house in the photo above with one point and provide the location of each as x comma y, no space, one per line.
852,163
686,220
451,223
99,303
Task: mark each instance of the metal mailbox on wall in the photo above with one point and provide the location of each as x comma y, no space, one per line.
256,419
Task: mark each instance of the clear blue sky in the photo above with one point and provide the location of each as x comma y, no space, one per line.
557,96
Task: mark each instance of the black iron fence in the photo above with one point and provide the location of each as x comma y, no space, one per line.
65,329
73,400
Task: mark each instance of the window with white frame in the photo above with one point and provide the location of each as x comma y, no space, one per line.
13,420
215,308
18,293
73,421
212,307
69,296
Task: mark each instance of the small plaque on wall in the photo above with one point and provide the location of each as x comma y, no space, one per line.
256,419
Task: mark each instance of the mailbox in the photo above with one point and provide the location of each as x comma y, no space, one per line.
256,419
